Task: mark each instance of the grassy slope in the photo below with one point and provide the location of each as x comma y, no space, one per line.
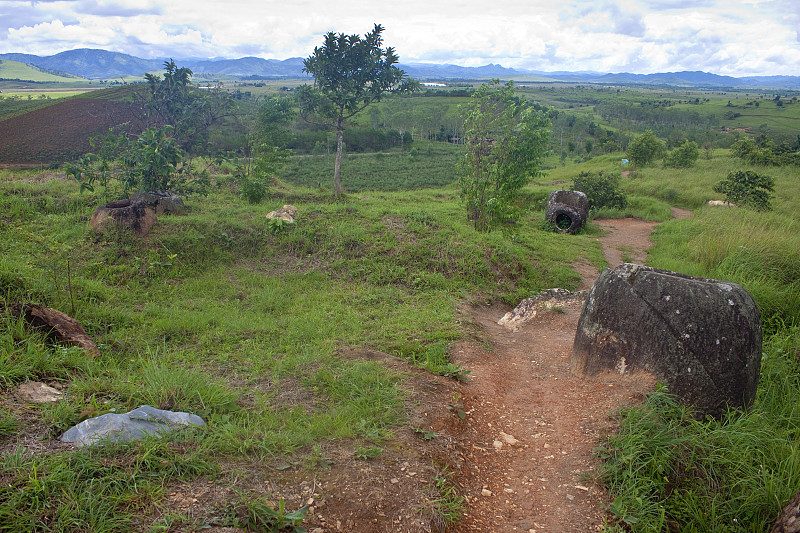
216,314
245,313
14,70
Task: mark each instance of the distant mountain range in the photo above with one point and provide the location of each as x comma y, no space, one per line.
102,64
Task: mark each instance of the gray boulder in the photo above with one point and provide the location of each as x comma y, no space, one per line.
567,211
700,337
789,519
130,426
161,202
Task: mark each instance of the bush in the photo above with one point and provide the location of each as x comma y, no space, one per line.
602,190
644,148
152,162
747,189
255,181
684,156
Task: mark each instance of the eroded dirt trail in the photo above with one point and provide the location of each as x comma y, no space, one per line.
530,425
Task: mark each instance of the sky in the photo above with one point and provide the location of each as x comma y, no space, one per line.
727,37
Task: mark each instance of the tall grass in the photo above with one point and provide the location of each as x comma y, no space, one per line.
760,251
669,470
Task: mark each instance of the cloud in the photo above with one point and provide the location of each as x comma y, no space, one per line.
113,9
756,36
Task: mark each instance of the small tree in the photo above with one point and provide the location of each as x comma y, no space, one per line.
174,101
151,162
684,156
506,141
644,148
349,74
748,189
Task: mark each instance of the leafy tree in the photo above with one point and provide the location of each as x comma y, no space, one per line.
684,156
274,117
602,190
746,188
644,148
349,74
506,141
174,101
153,161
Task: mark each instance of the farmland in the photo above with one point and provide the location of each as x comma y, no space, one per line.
46,131
320,352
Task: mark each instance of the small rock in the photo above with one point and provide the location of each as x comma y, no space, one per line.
36,392
285,213
129,426
508,439
394,481
498,445
486,492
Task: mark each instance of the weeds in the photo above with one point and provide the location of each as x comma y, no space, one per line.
666,468
448,504
426,434
262,518
364,453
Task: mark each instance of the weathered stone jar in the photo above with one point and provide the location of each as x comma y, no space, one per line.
700,337
567,211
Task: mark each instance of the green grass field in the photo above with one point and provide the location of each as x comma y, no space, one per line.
221,314
217,314
14,70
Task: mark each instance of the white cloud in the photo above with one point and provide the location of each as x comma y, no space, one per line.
725,37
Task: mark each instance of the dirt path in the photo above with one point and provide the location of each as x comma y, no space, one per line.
530,425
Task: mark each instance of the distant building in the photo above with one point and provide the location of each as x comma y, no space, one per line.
432,84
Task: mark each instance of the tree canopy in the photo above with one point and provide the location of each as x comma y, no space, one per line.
349,73
174,101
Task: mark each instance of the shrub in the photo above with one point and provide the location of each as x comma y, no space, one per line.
506,142
748,189
684,156
602,190
256,179
644,148
152,162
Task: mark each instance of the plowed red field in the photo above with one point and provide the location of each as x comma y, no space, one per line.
60,132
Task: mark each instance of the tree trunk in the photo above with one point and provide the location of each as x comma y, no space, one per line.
337,168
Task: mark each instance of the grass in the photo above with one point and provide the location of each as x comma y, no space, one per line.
97,489
14,70
216,314
666,469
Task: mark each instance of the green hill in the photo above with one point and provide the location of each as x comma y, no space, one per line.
14,70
